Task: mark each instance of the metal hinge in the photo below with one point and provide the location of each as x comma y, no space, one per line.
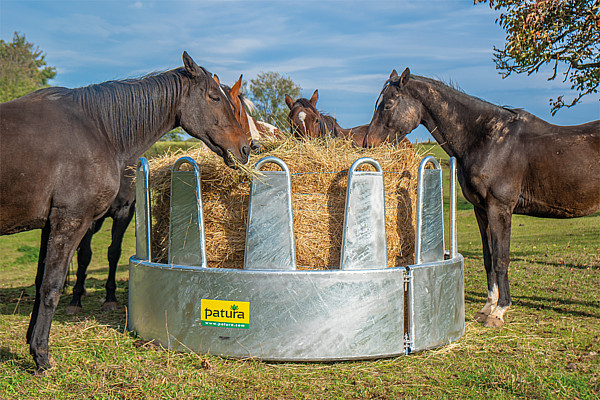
407,343
408,276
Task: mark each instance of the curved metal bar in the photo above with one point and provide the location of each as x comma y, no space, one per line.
364,160
186,160
143,222
273,160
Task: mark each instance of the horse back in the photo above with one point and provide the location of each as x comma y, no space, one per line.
51,155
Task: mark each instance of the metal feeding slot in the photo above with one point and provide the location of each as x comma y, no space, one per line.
364,236
270,233
186,227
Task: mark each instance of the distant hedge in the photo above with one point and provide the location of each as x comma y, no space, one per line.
163,147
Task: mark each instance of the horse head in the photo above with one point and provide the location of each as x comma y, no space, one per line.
206,113
396,113
304,118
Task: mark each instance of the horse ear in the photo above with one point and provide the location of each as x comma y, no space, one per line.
314,98
393,74
216,79
289,101
190,65
235,90
404,77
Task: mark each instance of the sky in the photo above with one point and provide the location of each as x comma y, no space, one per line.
345,49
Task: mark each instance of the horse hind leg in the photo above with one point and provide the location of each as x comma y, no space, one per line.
38,279
63,236
492,298
120,223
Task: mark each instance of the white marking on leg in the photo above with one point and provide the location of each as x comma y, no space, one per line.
499,312
492,300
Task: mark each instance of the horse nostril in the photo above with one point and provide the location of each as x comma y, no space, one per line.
246,150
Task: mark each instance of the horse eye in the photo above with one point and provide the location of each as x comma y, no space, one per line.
388,106
214,97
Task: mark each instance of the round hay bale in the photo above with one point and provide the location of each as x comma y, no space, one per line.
319,178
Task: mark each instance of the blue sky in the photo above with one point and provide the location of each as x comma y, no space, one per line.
346,49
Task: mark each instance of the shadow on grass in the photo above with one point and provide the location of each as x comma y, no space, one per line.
19,301
477,256
22,363
541,303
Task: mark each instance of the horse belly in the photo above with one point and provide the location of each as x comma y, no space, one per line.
24,205
564,186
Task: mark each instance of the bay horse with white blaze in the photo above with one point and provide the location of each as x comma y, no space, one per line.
306,121
79,141
509,162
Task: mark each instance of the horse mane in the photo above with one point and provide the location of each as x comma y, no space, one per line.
126,109
454,87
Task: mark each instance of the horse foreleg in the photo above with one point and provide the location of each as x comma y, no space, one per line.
120,223
84,258
63,237
500,223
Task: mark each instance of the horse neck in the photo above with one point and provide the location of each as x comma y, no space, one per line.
455,119
331,127
135,114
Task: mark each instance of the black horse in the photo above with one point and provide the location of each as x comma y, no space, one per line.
63,151
509,162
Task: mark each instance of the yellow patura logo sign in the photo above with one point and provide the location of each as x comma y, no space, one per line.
225,314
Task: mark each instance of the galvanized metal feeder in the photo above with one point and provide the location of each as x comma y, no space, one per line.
272,311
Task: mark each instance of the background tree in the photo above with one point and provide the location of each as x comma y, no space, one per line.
22,68
175,135
268,92
564,34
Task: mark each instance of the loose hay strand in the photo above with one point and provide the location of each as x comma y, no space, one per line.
319,174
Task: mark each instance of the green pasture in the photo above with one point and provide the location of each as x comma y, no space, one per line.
548,348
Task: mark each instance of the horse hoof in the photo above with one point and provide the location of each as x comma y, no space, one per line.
493,322
72,310
43,368
480,317
110,306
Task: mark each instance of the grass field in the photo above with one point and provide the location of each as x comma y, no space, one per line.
548,348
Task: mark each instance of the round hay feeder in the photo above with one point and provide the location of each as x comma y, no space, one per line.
271,310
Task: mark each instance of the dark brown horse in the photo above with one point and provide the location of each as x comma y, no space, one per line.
509,162
63,151
306,121
122,209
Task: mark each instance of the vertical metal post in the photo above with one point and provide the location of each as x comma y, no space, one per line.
143,222
453,238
